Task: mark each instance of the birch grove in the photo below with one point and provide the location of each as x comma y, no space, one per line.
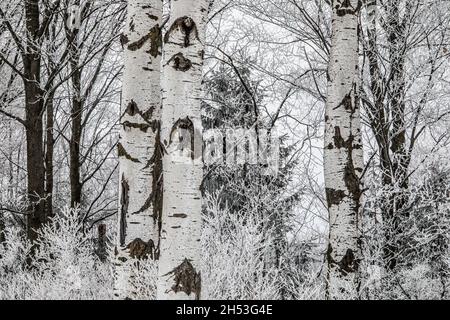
224,150
139,147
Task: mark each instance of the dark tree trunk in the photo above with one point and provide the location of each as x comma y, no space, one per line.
49,157
35,164
75,140
76,118
2,230
102,239
387,119
395,212
34,124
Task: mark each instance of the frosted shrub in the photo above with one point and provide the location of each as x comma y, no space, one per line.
63,267
303,272
144,279
235,249
422,270
13,253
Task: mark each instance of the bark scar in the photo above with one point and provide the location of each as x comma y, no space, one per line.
348,263
141,250
187,27
124,201
186,279
345,7
132,109
154,36
180,62
183,124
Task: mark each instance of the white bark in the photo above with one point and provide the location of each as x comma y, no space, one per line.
179,275
343,153
139,213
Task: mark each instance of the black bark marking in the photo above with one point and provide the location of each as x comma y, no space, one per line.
153,17
344,7
184,124
186,279
124,201
156,197
154,36
132,108
179,215
352,181
187,27
141,126
347,102
157,181
155,41
201,54
180,63
334,197
147,115
339,142
141,250
124,153
348,263
123,40
101,249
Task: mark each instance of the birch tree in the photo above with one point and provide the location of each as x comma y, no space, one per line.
343,153
139,151
179,275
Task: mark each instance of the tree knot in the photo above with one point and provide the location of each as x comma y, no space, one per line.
188,29
180,62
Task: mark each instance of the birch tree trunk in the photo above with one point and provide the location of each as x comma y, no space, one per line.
139,149
343,153
179,275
